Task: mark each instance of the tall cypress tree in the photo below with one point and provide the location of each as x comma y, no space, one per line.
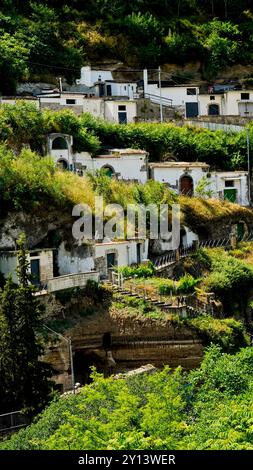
24,379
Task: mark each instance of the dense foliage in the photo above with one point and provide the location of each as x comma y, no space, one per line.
209,408
23,124
231,280
41,39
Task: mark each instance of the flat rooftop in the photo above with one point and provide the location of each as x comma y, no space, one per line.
179,165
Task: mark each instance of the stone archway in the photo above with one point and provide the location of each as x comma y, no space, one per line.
109,170
186,185
62,163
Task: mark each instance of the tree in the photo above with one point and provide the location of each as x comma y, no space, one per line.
202,188
13,61
25,380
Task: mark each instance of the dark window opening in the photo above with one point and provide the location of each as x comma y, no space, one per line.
244,96
122,107
59,143
35,271
229,183
191,91
70,101
212,98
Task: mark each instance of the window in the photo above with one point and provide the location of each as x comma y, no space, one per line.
59,143
125,88
191,91
229,183
70,101
212,98
122,107
244,96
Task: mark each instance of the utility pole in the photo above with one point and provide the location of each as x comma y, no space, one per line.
248,156
67,340
60,82
160,88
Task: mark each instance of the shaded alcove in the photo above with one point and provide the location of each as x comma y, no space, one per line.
83,361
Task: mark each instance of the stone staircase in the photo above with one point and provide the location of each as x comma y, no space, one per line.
184,311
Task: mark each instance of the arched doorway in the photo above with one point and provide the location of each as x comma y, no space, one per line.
109,171
59,143
186,185
63,164
213,110
83,361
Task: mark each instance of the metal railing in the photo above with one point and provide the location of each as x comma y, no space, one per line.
12,421
215,243
156,99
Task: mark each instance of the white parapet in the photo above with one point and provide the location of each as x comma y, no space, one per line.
71,280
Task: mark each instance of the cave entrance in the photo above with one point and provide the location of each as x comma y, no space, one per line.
83,361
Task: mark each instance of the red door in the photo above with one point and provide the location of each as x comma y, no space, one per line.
186,185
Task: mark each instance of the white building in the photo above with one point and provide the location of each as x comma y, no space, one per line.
228,103
182,177
77,259
181,96
105,84
231,185
123,164
119,253
40,265
118,111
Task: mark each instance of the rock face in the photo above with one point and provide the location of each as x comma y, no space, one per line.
40,229
114,342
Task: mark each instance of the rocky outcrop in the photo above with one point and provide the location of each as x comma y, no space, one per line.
115,342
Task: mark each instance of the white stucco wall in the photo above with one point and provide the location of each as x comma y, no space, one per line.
70,262
230,103
124,89
240,183
126,251
112,110
94,106
8,264
205,101
34,101
89,76
232,99
178,94
71,281
127,167
172,176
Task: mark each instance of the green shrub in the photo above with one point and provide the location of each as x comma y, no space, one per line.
142,271
231,280
166,288
187,284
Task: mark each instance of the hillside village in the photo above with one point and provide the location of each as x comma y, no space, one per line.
130,134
